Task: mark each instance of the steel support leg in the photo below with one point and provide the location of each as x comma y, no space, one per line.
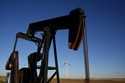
48,39
56,60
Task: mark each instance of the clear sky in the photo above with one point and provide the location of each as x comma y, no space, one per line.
105,23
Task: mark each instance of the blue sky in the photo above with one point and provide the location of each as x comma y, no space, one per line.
105,21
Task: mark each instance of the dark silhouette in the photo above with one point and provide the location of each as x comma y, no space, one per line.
74,22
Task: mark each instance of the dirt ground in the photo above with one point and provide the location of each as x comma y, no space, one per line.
92,81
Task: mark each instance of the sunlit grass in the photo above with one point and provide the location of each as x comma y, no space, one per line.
114,80
2,79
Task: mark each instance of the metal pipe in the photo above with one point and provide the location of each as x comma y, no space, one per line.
86,58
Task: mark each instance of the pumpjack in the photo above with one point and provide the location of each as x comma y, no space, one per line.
74,22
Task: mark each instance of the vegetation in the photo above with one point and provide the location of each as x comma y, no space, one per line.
2,79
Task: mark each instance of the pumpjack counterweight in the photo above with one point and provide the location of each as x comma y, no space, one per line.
74,22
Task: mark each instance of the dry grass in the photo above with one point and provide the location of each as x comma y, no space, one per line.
2,80
92,81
